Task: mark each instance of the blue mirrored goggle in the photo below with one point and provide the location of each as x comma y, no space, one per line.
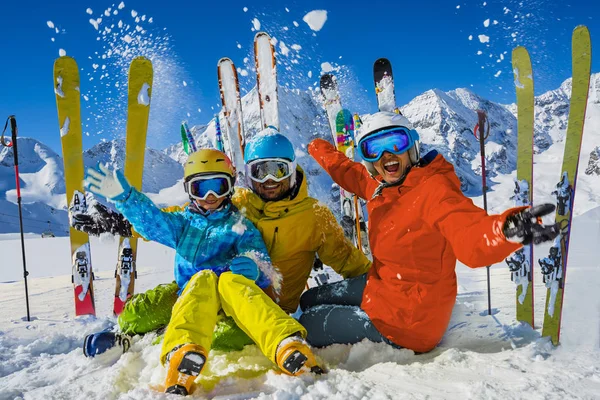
201,187
395,140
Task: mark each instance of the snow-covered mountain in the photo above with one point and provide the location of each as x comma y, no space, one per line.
42,189
160,171
445,122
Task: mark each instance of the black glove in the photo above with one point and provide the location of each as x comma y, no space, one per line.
525,226
96,218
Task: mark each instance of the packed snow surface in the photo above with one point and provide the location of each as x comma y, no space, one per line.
480,356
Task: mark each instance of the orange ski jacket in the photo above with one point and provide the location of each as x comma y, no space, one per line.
417,231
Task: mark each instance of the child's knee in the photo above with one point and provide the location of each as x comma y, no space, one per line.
227,280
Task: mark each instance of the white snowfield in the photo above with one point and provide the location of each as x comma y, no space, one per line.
480,356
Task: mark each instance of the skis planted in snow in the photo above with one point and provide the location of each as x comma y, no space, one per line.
138,111
351,210
554,267
266,80
66,88
520,262
384,85
232,111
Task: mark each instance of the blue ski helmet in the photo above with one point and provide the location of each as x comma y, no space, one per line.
269,143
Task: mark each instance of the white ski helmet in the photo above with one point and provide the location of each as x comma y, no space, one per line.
383,120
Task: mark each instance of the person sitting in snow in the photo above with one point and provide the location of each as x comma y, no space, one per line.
420,223
294,226
221,263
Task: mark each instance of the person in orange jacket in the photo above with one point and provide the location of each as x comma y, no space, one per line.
420,223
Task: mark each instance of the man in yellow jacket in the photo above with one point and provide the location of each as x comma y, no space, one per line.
294,226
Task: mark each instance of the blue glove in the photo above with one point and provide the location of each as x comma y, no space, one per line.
246,267
110,185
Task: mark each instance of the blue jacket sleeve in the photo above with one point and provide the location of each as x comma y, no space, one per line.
151,222
252,245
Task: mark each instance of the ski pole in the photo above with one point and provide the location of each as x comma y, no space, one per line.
483,126
13,143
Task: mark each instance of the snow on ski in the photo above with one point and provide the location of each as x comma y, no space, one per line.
138,111
232,110
331,101
520,263
554,267
384,85
266,80
66,88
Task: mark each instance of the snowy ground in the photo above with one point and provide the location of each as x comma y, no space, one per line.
480,356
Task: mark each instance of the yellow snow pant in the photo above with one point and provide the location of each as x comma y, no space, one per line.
194,315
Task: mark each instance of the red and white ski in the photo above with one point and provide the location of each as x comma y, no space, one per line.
232,111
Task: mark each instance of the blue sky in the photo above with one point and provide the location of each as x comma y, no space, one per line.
427,42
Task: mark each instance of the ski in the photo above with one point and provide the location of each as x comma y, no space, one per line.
331,101
554,267
189,144
232,111
520,263
218,134
384,85
266,80
66,88
138,111
352,218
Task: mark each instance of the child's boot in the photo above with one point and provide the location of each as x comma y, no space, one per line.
184,365
295,357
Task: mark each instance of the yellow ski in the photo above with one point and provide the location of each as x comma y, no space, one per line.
521,262
66,88
554,267
138,111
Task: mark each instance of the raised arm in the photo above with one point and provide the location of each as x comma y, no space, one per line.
144,216
150,221
476,237
350,175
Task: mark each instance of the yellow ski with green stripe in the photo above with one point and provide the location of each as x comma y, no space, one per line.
554,266
521,262
66,88
138,111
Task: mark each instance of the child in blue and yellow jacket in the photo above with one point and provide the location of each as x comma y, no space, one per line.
221,263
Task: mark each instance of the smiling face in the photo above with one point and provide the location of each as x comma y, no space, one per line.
271,190
392,167
211,202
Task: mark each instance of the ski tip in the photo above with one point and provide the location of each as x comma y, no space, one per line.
581,28
261,34
382,61
224,60
64,61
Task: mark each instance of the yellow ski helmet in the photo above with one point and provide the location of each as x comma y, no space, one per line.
208,161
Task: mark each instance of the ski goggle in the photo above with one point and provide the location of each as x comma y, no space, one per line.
396,140
264,169
200,187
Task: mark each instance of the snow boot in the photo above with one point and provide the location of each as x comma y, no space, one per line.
100,342
184,365
294,357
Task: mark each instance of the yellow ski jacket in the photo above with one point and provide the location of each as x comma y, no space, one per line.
295,229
